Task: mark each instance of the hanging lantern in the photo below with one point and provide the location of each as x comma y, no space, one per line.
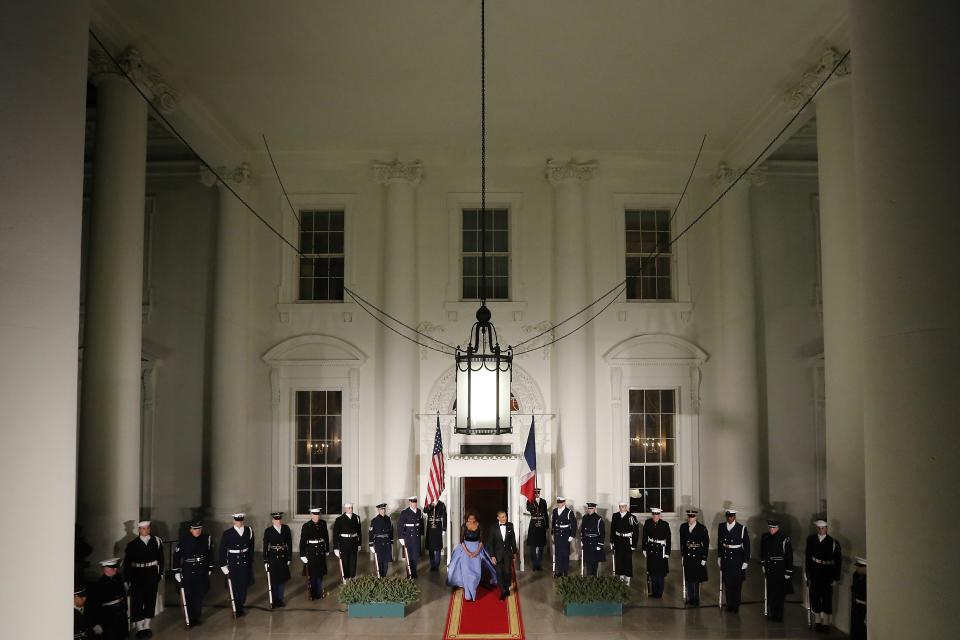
483,381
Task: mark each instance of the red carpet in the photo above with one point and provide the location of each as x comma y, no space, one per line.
486,618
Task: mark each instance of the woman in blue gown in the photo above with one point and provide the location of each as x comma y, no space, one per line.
470,560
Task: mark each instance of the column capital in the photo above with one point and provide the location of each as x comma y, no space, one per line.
236,177
812,78
147,78
559,172
726,174
396,171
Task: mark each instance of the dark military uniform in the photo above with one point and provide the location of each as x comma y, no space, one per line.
823,569
83,624
694,547
733,547
537,531
436,528
410,530
858,607
346,540
624,537
776,556
656,546
142,568
236,555
563,525
108,607
277,553
592,537
314,545
380,540
193,560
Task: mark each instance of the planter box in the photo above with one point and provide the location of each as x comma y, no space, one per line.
593,609
376,610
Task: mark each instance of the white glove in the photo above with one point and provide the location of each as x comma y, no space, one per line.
719,562
644,554
611,546
178,577
336,552
126,585
303,559
403,542
97,629
570,539
744,567
225,570
703,563
288,563
266,567
633,548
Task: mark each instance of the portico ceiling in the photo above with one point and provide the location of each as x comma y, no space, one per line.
373,74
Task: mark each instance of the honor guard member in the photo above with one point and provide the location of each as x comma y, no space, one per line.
776,557
314,546
277,553
108,608
236,562
694,547
537,530
82,627
733,549
436,528
858,601
563,526
823,569
142,569
410,531
346,539
192,563
592,537
656,549
380,539
624,537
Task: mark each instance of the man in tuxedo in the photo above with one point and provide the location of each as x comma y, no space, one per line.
502,547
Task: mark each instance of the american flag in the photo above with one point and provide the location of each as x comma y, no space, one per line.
436,484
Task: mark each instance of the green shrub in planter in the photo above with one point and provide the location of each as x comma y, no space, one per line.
370,589
584,589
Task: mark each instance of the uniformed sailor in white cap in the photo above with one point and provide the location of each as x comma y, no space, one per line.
694,548
733,550
858,600
346,539
410,532
83,621
380,539
314,547
143,569
109,595
823,569
592,538
236,561
656,545
537,529
563,526
277,554
624,538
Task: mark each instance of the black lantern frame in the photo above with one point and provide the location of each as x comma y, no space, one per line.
484,357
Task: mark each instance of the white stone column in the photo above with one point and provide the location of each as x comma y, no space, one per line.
842,319
570,361
905,108
738,401
109,479
43,70
401,366
231,486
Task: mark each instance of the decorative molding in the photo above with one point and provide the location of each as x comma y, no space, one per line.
314,350
656,349
236,177
396,171
726,175
146,77
506,456
432,330
814,77
558,173
533,329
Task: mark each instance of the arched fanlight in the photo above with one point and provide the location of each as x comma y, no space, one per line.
484,373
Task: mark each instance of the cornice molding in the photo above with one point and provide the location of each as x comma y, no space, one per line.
146,77
725,176
396,171
812,79
560,172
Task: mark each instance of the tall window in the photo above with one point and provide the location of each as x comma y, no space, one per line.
497,250
653,449
319,451
321,265
648,233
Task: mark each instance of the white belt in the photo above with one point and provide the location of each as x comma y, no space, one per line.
142,565
624,535
348,535
408,524
117,601
663,542
732,546
313,542
563,526
859,601
819,561
238,550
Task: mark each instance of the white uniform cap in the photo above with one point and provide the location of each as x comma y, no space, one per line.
860,561
561,499
239,516
315,510
730,510
110,562
819,523
412,499
348,505
656,510
143,523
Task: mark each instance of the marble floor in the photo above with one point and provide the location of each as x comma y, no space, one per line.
543,620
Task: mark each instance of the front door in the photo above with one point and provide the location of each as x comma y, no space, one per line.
484,497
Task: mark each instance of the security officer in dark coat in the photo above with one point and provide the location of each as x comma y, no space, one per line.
142,569
858,601
694,547
656,544
346,540
314,546
108,602
733,549
436,528
277,553
563,526
823,569
624,537
192,563
776,557
410,531
380,539
592,537
537,530
82,620
236,562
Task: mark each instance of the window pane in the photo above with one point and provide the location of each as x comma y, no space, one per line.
306,242
334,478
303,501
336,242
306,289
666,425
334,403
633,242
669,450
634,422
666,401
318,429
303,478
317,452
336,267
470,288
303,452
306,220
632,219
336,220
303,403
651,427
633,266
648,221
471,266
500,219
500,289
336,289
334,501
666,500
636,400
319,476
651,476
333,452
303,427
318,403
470,219
663,219
653,451
500,241
471,241
636,452
636,476
321,289
666,476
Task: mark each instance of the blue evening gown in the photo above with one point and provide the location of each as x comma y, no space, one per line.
465,571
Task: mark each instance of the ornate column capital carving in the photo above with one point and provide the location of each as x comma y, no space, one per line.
815,75
726,174
163,96
560,172
397,171
236,177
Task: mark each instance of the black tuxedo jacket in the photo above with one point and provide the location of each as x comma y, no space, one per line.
499,548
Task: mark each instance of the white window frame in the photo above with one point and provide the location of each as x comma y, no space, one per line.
293,458
676,462
490,253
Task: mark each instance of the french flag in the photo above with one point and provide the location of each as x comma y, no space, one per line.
528,465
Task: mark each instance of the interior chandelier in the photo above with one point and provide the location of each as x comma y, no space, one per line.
484,370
